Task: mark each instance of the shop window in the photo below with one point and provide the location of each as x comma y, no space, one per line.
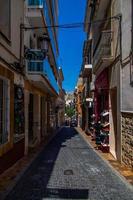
5,18
4,111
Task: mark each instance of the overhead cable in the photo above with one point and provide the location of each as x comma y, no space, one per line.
72,25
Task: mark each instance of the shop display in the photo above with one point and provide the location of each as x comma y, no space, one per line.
100,131
105,131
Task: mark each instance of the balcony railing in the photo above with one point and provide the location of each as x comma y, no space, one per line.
43,67
103,50
35,66
35,3
50,76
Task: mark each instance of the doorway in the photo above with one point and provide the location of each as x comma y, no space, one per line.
42,117
113,122
31,116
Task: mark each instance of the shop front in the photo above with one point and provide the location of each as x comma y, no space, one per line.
101,109
11,119
101,95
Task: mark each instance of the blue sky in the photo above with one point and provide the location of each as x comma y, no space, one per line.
71,41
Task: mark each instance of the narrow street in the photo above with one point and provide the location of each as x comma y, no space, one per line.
68,168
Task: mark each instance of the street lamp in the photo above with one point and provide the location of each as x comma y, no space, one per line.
44,43
40,54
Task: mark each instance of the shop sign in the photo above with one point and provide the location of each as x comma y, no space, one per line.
89,100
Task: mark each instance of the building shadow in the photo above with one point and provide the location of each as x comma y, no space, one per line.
34,182
66,193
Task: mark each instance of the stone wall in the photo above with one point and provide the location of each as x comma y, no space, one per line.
127,139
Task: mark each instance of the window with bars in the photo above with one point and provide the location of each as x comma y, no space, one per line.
4,110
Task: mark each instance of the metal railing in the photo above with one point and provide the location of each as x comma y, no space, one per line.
104,47
35,66
42,67
50,76
35,3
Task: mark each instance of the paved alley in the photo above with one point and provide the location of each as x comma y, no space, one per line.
68,168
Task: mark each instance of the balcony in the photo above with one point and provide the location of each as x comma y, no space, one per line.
39,16
103,55
40,72
34,13
35,3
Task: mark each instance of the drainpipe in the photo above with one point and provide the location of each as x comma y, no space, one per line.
119,18
119,138
119,153
131,52
93,6
132,28
21,46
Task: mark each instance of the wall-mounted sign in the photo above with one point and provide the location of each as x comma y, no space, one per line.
89,99
34,54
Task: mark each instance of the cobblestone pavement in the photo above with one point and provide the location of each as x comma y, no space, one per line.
68,168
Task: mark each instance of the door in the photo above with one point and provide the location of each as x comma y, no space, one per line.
113,131
42,116
31,115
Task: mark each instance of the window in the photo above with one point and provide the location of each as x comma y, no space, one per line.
5,18
4,111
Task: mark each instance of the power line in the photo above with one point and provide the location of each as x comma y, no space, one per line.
72,25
